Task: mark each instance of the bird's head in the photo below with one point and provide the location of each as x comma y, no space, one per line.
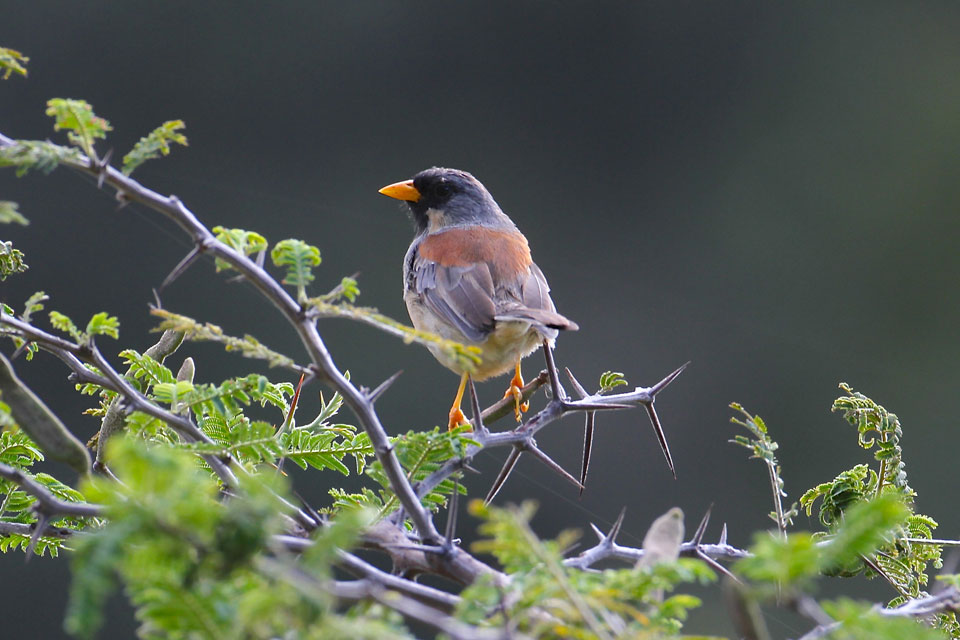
439,198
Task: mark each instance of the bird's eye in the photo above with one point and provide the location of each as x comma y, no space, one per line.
443,189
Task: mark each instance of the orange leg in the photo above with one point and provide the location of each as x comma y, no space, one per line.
456,416
515,390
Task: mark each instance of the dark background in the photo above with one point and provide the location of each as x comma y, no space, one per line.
767,189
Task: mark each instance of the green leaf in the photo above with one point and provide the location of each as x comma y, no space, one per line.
326,447
12,61
11,260
865,527
77,118
154,144
777,561
9,213
33,304
65,324
420,454
610,380
299,258
102,324
143,367
36,154
240,240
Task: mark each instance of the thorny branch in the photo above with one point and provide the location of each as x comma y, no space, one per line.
75,355
47,507
943,601
522,438
434,553
47,503
441,556
324,368
607,548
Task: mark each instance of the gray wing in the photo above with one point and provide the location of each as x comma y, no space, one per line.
529,300
463,296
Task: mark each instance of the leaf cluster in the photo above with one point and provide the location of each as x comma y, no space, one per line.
194,565
9,214
546,599
871,528
11,260
12,61
154,144
16,505
420,454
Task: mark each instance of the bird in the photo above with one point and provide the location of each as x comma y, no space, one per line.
468,276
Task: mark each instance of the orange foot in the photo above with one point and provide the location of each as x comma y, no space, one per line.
516,390
456,419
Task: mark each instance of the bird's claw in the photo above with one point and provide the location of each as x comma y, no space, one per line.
516,390
456,419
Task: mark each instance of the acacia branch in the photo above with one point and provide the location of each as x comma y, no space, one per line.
607,548
522,438
74,354
946,600
22,529
373,587
323,368
48,504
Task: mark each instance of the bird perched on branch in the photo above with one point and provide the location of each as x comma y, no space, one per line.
468,277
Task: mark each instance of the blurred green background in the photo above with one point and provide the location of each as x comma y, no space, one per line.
767,189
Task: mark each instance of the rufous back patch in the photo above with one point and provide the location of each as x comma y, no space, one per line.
506,252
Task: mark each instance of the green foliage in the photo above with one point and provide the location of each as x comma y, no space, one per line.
847,489
19,451
871,528
299,258
41,155
77,118
326,446
16,448
347,288
33,304
12,61
198,559
546,599
876,426
421,453
241,241
11,260
610,380
154,144
9,214
193,564
764,448
100,324
866,527
143,367
170,538
860,621
65,324
790,562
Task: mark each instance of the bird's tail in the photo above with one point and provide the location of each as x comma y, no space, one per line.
548,323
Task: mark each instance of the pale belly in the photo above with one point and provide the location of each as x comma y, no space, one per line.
508,342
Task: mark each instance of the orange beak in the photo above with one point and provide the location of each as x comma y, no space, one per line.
402,191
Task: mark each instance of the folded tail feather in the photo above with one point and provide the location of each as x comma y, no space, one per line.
548,323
